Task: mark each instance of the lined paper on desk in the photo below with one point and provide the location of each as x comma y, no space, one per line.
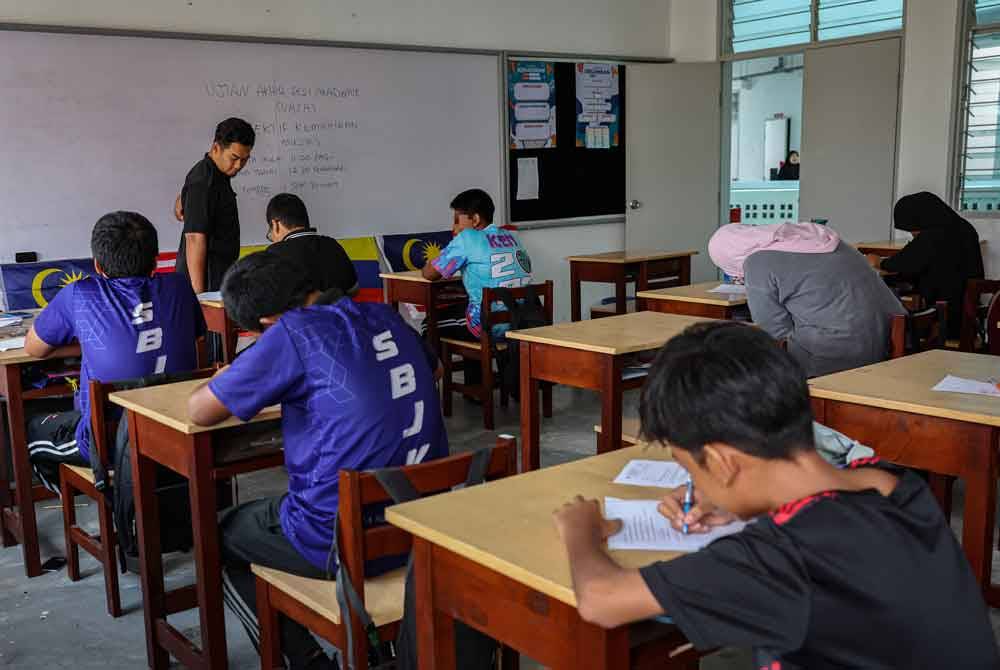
644,528
12,343
664,474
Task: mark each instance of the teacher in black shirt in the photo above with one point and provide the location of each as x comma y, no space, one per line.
207,204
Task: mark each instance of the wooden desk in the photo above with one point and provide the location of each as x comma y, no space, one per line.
218,322
589,355
621,267
694,300
18,521
411,287
890,406
884,248
506,573
162,433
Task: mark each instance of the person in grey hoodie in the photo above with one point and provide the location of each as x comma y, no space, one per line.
809,288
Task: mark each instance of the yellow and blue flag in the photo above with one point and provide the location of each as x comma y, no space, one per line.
411,252
33,285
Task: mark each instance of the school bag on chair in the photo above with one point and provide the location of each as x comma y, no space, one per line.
525,313
473,650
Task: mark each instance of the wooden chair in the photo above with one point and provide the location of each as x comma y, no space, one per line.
482,351
77,480
928,328
973,312
313,602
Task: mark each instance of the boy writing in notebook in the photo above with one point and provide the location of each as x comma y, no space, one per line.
129,322
487,257
356,388
843,568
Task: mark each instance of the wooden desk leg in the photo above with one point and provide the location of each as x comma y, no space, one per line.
685,270
7,538
25,504
230,339
207,557
147,517
431,318
641,284
979,518
435,629
621,304
530,457
600,649
611,404
574,291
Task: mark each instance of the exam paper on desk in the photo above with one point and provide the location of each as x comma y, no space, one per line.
644,528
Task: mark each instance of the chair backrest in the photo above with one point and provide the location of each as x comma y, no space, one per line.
490,317
975,289
993,325
928,329
358,544
101,426
897,336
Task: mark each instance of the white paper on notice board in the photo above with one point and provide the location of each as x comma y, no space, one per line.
527,178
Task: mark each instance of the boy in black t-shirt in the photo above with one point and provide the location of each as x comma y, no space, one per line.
852,568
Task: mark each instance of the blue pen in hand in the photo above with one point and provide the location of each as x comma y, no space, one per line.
688,499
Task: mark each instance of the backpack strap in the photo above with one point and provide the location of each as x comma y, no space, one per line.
401,490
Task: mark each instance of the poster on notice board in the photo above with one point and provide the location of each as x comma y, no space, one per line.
531,97
598,105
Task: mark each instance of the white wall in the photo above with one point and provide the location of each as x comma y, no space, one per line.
927,98
549,248
694,30
617,27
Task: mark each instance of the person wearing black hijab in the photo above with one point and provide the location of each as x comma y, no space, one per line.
943,255
790,168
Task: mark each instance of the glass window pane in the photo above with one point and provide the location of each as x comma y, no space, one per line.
765,24
846,18
987,11
766,128
981,145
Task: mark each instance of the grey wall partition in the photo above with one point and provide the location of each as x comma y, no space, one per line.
850,108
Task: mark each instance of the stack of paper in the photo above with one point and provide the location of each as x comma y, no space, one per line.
953,384
729,288
6,321
12,343
665,474
644,528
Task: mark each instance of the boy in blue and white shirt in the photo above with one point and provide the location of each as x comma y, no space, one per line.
486,255
356,387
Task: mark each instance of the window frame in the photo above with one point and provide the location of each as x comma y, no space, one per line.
726,35
968,30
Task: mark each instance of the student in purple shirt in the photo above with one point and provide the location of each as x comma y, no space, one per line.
356,387
129,323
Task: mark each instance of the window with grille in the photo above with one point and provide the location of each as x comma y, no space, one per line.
979,181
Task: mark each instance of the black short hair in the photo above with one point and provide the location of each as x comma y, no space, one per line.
235,130
731,383
263,284
474,201
289,209
125,245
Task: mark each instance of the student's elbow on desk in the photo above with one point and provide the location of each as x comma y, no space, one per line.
36,346
616,599
204,409
430,272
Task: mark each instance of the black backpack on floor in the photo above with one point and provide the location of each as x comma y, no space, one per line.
527,312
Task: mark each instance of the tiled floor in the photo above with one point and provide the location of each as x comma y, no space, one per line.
48,622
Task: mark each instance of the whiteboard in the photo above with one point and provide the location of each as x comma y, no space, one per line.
374,141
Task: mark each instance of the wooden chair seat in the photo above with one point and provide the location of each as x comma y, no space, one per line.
383,594
470,344
601,311
86,474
